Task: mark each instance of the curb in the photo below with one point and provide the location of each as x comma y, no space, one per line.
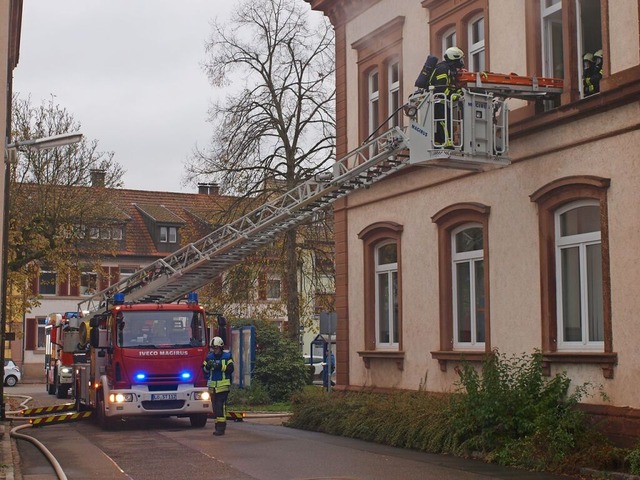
7,471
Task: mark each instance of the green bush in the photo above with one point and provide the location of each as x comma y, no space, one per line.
279,367
506,412
513,414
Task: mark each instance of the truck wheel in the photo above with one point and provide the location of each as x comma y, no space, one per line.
106,423
62,391
199,420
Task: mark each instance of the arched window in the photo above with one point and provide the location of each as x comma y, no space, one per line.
475,35
467,269
463,271
386,295
579,276
382,290
574,272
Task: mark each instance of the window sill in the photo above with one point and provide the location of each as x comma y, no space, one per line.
444,356
396,355
607,360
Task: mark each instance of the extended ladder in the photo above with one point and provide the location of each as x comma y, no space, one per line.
199,263
193,266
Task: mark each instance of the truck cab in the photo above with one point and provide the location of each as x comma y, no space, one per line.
145,359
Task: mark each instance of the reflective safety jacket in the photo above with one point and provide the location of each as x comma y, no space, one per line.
218,370
444,79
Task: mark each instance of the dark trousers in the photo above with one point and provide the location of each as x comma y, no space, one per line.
219,406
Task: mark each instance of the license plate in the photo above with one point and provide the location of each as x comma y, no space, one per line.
164,396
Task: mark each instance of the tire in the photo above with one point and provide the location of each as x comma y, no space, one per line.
51,388
199,420
62,391
11,381
106,423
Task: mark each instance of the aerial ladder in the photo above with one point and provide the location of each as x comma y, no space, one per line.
478,125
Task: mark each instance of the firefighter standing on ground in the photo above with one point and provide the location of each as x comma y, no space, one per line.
218,367
444,80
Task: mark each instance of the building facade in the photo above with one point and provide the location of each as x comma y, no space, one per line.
434,266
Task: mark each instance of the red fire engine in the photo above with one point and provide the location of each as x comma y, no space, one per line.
60,344
144,359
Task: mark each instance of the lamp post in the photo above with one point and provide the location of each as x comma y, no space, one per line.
31,144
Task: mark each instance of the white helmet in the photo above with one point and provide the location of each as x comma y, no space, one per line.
217,342
453,53
588,57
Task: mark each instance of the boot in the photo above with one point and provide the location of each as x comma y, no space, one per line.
220,428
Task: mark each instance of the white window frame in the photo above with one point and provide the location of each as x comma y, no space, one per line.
116,233
394,101
471,258
273,280
164,235
388,270
581,241
374,99
85,286
476,48
173,234
449,39
551,17
41,323
55,284
127,271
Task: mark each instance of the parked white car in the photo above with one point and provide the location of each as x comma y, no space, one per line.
11,373
317,364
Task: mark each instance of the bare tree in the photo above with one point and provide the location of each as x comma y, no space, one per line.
276,129
52,205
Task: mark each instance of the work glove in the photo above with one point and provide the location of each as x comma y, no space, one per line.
217,365
455,97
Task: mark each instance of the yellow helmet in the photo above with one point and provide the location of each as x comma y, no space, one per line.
588,57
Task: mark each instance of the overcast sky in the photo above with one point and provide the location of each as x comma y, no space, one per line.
130,72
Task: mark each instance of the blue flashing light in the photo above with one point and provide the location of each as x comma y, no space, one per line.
185,376
192,298
118,298
141,376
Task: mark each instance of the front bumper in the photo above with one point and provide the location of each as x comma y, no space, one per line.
186,400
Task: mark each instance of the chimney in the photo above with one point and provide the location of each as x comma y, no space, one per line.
209,189
97,177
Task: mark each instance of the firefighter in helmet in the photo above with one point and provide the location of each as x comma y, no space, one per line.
444,79
592,75
218,368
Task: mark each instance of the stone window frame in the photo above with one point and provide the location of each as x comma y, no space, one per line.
376,52
549,198
372,236
447,220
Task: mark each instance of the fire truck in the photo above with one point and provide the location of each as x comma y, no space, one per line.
129,362
142,359
60,343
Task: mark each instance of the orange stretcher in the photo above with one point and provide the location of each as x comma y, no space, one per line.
510,83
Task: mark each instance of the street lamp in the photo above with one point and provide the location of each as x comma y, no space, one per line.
31,144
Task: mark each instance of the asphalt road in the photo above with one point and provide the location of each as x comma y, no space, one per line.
257,449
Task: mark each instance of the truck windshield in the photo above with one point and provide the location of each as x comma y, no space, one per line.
158,328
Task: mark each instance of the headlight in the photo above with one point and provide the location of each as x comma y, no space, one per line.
202,396
121,397
65,370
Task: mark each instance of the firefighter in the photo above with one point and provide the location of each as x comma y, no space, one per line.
597,71
444,79
218,368
587,72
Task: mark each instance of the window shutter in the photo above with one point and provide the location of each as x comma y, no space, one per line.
30,334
